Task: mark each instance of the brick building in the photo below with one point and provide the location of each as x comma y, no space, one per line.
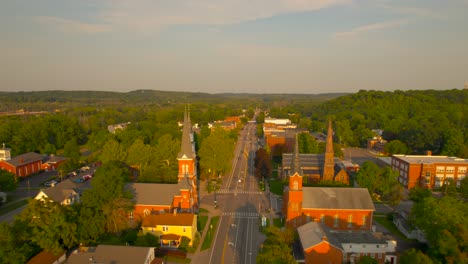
338,208
320,245
429,171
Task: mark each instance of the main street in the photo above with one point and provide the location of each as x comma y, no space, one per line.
241,202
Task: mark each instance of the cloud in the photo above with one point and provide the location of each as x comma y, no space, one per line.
371,28
68,25
148,15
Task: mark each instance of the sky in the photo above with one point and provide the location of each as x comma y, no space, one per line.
234,46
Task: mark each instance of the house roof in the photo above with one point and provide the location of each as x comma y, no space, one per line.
25,158
170,237
53,159
44,257
168,220
61,191
107,254
313,233
310,235
155,193
337,198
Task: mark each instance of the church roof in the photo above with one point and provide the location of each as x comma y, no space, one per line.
156,193
337,198
26,158
186,150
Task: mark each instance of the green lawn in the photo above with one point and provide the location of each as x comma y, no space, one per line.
277,222
203,210
276,187
201,223
210,234
388,224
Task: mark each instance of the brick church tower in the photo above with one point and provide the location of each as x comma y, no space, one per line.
329,164
292,206
187,159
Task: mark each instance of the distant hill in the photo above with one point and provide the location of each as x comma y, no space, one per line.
48,100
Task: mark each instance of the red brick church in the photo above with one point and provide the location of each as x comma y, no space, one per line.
153,198
338,208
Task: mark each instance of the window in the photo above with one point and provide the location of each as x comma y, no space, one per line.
364,220
440,169
350,220
461,169
450,169
335,224
428,174
183,229
379,255
372,255
131,215
322,218
165,228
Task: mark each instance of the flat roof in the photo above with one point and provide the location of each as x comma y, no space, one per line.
430,159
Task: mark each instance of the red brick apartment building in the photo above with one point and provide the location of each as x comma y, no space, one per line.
429,171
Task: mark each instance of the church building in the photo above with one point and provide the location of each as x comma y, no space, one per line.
151,198
337,208
318,167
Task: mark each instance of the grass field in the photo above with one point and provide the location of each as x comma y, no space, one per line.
388,224
202,219
211,232
276,187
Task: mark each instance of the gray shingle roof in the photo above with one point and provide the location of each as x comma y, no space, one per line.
155,193
107,254
61,191
337,198
313,233
25,158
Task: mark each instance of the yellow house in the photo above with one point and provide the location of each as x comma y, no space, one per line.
170,228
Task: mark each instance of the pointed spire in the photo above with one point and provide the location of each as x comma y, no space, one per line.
295,161
186,150
329,163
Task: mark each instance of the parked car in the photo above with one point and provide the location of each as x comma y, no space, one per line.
51,183
87,177
85,168
73,173
79,180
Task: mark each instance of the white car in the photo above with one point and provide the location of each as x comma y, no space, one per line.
85,168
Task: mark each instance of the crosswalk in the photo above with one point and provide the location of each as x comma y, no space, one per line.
241,214
227,191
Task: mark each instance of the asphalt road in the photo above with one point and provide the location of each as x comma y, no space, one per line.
241,202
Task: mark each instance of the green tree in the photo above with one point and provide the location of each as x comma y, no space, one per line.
417,194
8,181
414,256
367,176
105,206
444,222
53,226
307,143
72,150
464,187
216,152
396,147
111,151
15,244
276,248
262,164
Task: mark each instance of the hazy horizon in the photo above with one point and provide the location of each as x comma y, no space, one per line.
255,46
